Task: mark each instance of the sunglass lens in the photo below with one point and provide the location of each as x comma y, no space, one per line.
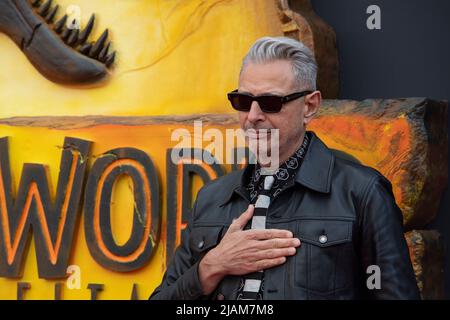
270,104
240,102
243,102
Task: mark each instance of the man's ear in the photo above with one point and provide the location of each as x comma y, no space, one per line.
312,105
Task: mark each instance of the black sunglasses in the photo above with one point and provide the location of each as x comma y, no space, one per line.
268,103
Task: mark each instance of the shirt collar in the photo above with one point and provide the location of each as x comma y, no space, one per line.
314,173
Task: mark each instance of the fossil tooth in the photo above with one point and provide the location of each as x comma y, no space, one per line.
66,34
85,48
87,31
104,53
36,3
44,8
98,46
73,38
110,59
74,25
49,18
60,24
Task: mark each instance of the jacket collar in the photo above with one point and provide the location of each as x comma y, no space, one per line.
314,173
317,167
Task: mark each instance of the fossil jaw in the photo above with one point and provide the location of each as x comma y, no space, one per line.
62,55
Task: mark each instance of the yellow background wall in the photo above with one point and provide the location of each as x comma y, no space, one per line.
173,57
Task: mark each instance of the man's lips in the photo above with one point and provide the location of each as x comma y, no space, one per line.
258,134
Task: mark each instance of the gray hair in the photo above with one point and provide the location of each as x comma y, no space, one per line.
269,49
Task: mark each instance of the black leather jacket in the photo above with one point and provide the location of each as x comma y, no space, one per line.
352,205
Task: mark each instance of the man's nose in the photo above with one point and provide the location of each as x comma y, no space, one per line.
255,114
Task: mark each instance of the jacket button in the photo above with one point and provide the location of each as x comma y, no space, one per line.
201,244
323,239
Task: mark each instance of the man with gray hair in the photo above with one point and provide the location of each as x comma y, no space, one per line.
305,224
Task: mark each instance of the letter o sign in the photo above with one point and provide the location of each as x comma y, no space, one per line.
137,251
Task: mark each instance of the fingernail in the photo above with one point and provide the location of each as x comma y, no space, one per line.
296,242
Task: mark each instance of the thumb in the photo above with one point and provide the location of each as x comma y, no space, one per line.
239,223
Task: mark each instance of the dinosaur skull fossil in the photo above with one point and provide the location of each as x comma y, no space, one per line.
62,54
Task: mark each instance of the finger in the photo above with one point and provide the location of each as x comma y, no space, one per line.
239,223
277,243
269,263
268,234
275,253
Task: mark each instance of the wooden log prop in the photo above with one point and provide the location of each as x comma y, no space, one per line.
405,139
427,256
302,23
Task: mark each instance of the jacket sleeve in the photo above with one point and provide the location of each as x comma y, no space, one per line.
383,244
181,280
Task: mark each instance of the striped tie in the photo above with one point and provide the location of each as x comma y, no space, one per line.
263,187
252,282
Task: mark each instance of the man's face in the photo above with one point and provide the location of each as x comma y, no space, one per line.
277,78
